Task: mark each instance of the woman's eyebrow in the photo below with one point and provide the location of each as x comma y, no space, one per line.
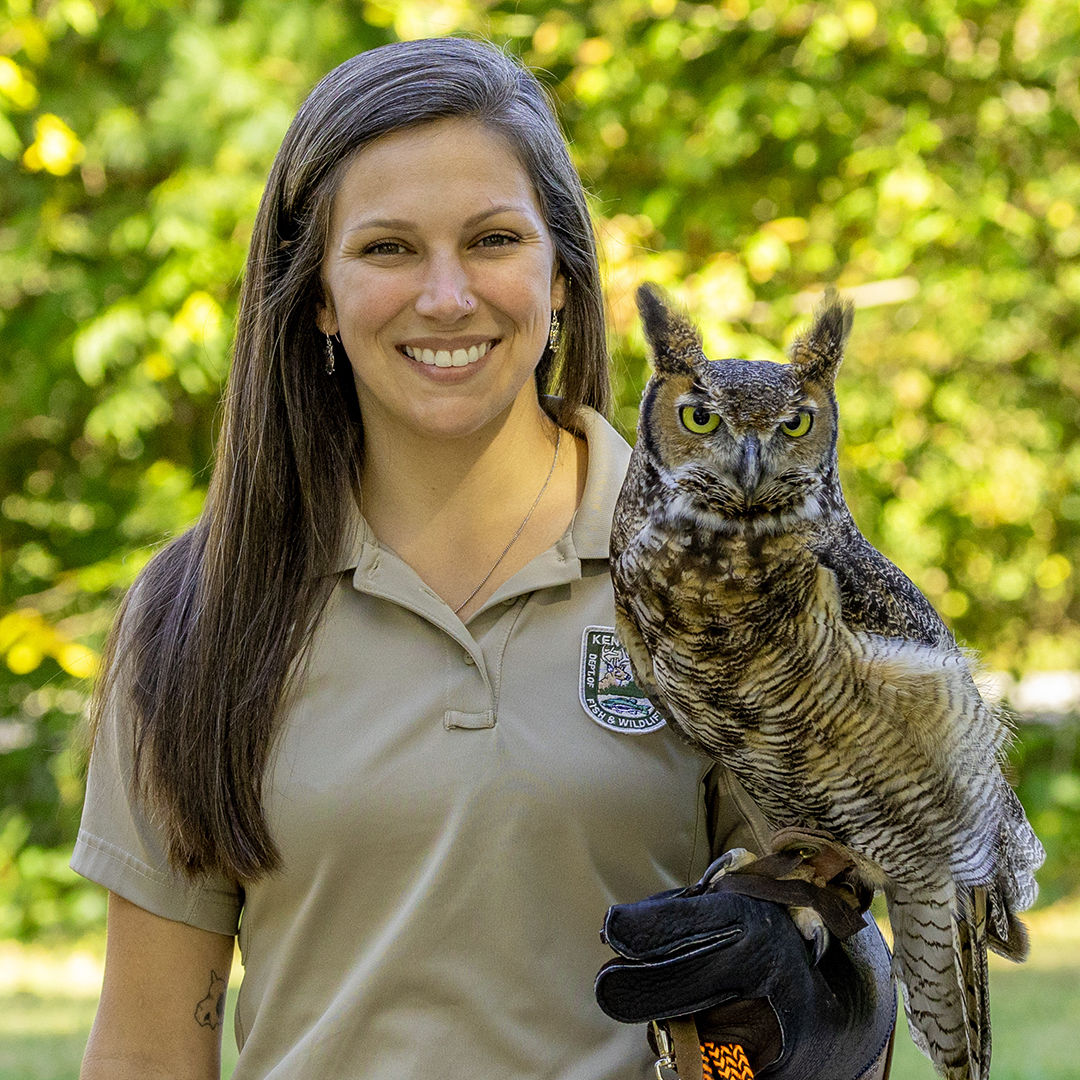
515,208
379,223
402,223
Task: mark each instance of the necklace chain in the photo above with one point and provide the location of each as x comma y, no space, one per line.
521,527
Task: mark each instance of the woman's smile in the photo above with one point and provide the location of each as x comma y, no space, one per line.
448,354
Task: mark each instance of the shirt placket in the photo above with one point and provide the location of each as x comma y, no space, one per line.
471,681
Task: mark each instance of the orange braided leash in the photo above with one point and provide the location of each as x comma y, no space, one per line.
724,1062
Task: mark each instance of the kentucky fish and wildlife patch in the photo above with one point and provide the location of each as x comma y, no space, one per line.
607,688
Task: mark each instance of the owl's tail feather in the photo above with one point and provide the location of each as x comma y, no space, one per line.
972,935
1014,888
1014,943
939,958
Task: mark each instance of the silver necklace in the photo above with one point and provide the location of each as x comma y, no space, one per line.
521,527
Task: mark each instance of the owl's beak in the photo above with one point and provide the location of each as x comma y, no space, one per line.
748,467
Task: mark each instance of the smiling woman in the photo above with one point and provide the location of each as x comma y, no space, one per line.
442,282
369,701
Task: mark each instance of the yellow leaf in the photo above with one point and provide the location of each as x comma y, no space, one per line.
546,37
1053,571
158,366
594,51
199,317
15,85
77,660
790,229
13,626
24,657
1060,214
766,253
55,148
27,639
860,17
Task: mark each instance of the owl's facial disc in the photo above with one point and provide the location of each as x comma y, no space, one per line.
753,479
742,445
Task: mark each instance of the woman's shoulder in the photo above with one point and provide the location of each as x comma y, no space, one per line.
608,460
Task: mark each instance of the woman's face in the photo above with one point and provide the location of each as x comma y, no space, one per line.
440,277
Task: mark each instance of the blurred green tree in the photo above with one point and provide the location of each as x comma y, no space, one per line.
743,153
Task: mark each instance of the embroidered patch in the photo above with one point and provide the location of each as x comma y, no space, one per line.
607,689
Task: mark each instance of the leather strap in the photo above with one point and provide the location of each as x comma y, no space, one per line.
841,919
684,1035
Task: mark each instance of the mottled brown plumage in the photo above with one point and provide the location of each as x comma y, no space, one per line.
775,638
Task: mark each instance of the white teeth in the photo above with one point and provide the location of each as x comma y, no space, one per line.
445,358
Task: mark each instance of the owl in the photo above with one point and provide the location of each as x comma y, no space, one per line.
775,638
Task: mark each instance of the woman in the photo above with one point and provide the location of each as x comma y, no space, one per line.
349,702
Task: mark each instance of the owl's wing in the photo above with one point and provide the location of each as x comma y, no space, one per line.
640,660
631,515
876,595
632,506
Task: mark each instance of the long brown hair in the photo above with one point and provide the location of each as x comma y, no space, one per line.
209,641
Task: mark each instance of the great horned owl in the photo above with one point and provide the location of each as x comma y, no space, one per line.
775,638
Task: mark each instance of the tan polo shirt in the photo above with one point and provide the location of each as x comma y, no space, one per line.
456,808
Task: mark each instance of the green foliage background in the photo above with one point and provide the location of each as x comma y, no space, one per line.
922,155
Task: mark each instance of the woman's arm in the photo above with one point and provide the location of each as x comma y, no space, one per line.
162,1002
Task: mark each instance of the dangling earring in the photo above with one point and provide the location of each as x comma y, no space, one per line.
555,332
329,355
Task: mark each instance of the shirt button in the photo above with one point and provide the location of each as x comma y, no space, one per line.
469,660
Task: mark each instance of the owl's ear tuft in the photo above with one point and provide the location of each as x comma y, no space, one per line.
818,352
673,339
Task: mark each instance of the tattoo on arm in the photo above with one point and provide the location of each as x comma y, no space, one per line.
211,1010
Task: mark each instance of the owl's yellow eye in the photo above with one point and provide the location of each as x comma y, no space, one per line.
698,420
799,424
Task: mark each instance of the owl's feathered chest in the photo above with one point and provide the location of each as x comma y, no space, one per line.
732,632
731,594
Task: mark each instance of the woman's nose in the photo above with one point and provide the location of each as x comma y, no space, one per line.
445,293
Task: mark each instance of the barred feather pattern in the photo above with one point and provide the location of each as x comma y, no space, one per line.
775,638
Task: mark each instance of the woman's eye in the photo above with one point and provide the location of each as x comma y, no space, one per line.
497,240
698,420
799,424
384,247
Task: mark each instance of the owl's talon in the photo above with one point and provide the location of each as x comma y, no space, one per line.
730,862
813,928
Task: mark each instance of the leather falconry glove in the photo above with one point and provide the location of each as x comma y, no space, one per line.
727,954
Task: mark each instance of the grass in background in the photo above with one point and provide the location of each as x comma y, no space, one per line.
42,1038
1036,1022
48,998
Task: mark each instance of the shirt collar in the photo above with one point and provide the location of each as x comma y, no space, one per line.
609,456
590,531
